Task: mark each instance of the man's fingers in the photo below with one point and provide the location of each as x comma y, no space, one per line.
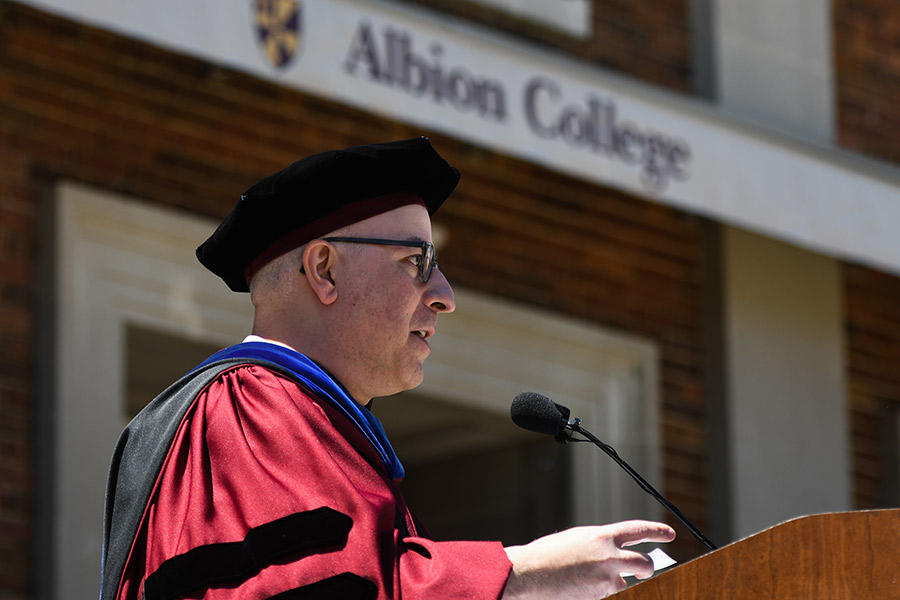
637,564
583,562
636,532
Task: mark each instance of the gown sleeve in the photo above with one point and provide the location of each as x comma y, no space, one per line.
266,491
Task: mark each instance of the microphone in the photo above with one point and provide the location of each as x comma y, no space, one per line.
538,413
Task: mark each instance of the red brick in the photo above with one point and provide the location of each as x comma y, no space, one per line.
867,76
872,301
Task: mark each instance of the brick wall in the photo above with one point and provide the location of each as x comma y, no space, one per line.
646,39
867,76
873,355
85,105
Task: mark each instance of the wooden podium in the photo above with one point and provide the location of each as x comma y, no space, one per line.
833,556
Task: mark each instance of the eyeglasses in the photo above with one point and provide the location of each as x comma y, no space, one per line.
426,263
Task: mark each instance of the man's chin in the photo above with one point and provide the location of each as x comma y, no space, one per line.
406,384
415,381
413,378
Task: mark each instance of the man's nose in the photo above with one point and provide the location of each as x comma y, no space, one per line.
439,296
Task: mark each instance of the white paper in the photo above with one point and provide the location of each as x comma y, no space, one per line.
660,559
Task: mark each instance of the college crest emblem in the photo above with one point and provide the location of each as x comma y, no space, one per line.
279,24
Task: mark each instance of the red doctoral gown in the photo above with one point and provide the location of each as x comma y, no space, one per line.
253,449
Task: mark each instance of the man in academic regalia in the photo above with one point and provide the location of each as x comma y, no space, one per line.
262,473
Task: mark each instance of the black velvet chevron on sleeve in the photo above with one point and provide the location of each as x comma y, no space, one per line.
345,586
232,563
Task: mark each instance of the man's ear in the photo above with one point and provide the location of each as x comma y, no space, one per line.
318,260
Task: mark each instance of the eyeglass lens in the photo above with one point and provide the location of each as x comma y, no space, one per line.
428,263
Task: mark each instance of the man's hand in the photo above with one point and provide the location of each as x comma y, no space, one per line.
582,562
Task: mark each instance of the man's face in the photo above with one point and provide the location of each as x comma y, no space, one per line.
386,313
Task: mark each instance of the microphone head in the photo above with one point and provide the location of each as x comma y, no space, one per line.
536,412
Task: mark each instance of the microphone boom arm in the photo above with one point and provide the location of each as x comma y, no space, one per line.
574,425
